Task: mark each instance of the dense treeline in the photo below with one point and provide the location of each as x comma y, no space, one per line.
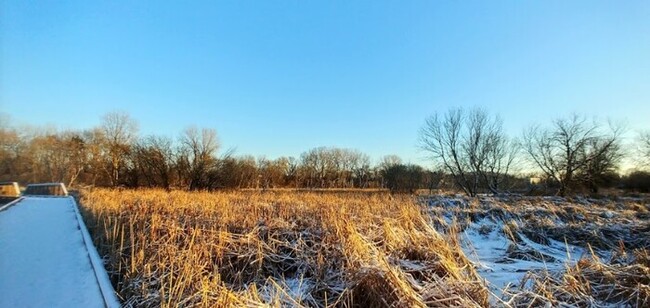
468,149
113,154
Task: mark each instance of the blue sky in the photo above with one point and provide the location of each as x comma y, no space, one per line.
279,77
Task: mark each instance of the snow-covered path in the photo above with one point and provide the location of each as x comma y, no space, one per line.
44,260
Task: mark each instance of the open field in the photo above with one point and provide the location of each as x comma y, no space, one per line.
369,249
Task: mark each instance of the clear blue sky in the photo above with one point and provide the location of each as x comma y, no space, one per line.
279,77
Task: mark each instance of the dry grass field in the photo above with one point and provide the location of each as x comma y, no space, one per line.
278,249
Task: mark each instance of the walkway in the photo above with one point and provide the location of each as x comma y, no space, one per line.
47,258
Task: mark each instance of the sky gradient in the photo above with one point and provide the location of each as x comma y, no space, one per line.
280,77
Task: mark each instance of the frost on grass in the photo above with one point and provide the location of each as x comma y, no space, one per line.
554,251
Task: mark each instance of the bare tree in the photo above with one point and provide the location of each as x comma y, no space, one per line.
153,157
490,150
334,167
385,164
12,150
120,132
200,148
316,166
471,146
95,142
56,157
291,171
601,169
246,172
272,173
572,147
389,161
643,149
441,137
360,167
74,146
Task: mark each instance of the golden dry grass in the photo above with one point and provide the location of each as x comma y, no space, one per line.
622,282
250,249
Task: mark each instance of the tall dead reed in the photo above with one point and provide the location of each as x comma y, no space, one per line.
249,249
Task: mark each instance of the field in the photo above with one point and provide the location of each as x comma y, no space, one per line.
369,249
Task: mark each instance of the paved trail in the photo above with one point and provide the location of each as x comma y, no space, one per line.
45,260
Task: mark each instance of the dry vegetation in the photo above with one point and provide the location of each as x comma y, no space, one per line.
614,234
278,249
363,249
590,283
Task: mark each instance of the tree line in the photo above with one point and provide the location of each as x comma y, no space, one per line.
113,154
468,149
571,154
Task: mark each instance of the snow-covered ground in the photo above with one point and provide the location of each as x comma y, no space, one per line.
511,240
44,260
494,254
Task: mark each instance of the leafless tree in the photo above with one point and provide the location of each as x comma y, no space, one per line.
56,157
643,149
12,148
200,148
471,146
491,152
385,164
442,138
361,170
247,172
389,160
112,154
154,157
572,147
601,169
120,132
74,146
272,173
291,171
95,142
315,167
404,178
333,167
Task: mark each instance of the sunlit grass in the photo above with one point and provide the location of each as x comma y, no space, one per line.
357,249
278,249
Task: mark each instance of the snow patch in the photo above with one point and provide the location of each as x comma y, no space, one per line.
489,248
